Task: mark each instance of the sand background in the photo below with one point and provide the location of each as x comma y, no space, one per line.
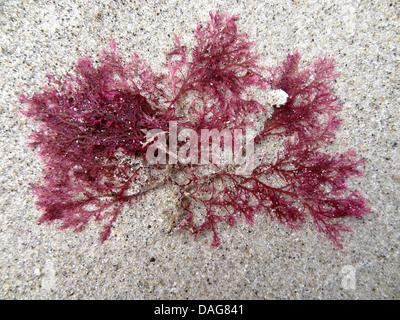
266,261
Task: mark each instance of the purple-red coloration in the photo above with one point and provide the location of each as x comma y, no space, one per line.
93,128
218,74
88,121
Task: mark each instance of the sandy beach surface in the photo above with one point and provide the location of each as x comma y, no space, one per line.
142,260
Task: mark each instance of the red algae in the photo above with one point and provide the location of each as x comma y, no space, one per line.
94,138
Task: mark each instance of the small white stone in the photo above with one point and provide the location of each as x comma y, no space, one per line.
277,97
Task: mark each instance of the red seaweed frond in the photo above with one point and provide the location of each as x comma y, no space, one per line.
94,143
